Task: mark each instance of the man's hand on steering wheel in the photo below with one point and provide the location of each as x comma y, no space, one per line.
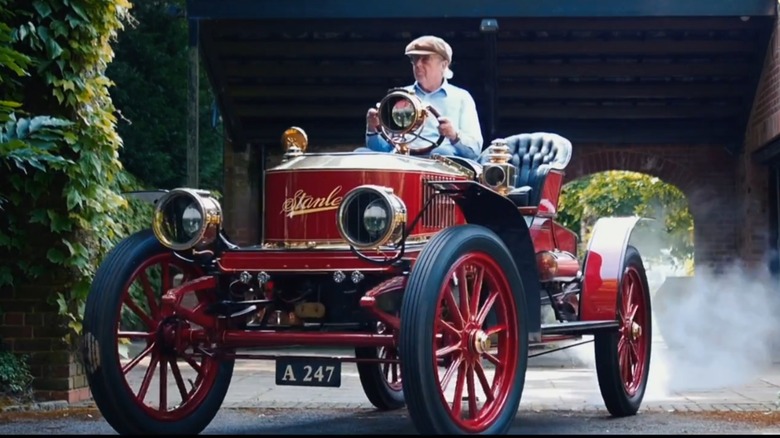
372,120
447,130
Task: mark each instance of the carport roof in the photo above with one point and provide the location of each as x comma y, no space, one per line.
611,71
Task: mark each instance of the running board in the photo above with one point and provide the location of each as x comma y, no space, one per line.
580,328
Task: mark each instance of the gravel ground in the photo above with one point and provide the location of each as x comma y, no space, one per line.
87,421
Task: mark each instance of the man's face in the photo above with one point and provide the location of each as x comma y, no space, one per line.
428,70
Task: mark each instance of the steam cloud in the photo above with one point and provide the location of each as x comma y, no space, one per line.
712,330
718,329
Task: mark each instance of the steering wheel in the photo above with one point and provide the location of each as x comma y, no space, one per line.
401,117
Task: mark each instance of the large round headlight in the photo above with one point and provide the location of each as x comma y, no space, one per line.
186,218
401,112
371,216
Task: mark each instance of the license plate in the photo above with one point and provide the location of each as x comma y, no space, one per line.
308,372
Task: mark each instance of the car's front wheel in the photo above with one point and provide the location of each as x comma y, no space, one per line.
462,372
144,377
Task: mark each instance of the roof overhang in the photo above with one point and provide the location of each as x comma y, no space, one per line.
608,71
351,9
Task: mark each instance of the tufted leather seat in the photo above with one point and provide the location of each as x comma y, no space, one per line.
534,154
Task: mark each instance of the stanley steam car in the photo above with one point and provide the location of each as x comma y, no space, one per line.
440,272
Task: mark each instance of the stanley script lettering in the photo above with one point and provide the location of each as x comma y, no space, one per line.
303,203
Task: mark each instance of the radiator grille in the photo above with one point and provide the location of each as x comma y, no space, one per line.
441,212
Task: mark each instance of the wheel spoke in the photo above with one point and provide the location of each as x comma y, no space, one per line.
632,312
150,295
480,370
625,367
147,380
457,400
445,380
164,385
130,365
394,367
633,353
128,300
452,307
493,359
487,307
476,288
179,380
449,328
195,366
447,350
472,390
496,329
621,344
463,289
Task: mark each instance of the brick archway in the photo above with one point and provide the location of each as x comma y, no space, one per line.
705,175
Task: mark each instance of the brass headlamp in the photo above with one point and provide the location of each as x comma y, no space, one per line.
187,218
401,113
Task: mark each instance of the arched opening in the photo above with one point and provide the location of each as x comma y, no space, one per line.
665,239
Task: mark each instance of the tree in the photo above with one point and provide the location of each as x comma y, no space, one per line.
150,73
621,193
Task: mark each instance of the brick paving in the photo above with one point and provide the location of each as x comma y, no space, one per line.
565,380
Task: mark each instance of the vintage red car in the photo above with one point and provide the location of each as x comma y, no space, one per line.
438,271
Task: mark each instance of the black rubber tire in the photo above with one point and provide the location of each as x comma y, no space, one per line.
616,399
115,402
418,316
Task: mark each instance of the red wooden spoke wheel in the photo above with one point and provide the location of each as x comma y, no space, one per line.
623,358
143,377
463,374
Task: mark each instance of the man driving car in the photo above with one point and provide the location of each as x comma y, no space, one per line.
431,57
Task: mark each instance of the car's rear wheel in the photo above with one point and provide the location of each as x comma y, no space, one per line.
454,379
623,358
381,381
143,375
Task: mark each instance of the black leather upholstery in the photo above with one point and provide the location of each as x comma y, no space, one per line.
534,154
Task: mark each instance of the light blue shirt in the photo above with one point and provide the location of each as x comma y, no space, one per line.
451,102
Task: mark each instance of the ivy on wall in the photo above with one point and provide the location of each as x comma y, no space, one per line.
60,175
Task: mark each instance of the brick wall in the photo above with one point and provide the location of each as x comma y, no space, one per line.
764,124
705,174
752,177
32,327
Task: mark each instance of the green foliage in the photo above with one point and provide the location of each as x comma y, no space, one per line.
12,64
59,151
620,193
15,376
151,75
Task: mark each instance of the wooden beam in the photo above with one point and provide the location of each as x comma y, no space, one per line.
516,70
464,49
508,90
628,69
321,9
339,110
236,29
620,112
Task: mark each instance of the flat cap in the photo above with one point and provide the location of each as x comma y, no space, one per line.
429,44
